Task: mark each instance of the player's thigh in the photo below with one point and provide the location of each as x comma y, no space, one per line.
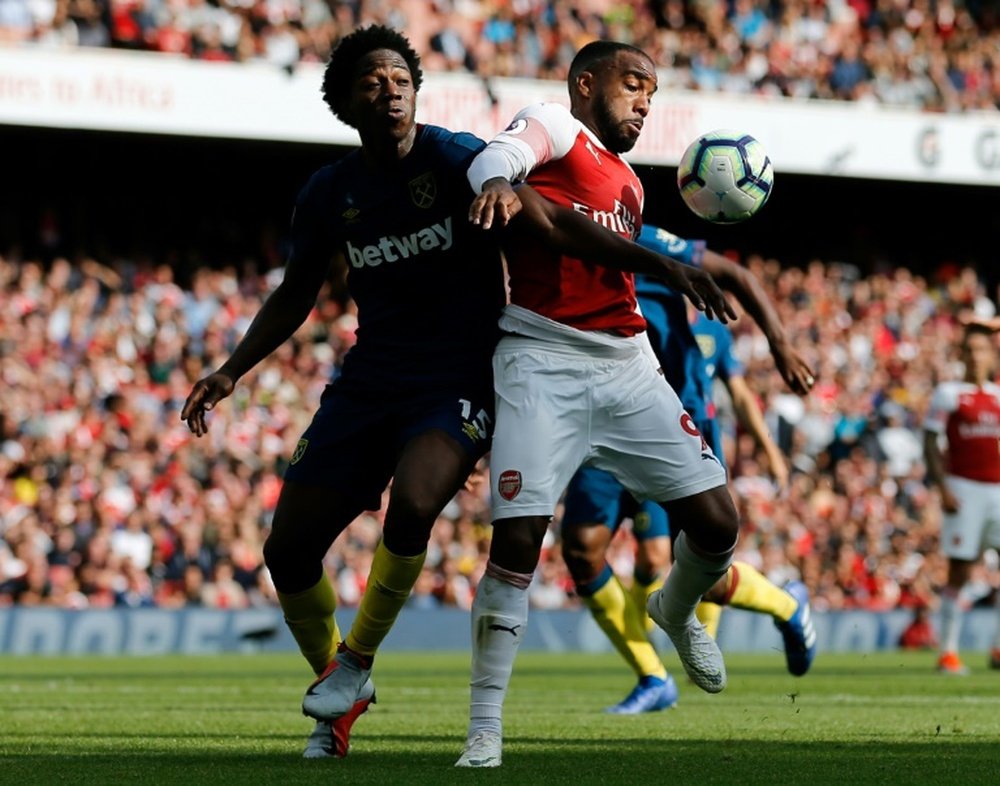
963,532
648,441
308,518
431,469
541,436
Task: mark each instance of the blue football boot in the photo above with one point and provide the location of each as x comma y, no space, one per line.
798,633
651,695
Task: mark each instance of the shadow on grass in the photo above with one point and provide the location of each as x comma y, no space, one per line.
404,759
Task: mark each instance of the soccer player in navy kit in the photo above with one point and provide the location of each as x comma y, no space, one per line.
414,401
596,503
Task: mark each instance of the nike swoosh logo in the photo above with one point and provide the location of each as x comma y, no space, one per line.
482,762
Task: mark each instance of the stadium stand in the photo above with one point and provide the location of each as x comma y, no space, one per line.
938,55
107,500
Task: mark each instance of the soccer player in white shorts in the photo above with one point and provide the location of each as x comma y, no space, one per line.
966,415
575,377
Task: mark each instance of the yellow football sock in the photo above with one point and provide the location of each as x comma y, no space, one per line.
389,583
617,615
309,616
750,589
640,592
708,614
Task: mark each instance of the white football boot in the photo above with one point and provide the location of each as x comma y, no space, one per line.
699,654
338,690
482,749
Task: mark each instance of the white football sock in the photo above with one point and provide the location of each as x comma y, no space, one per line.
951,619
691,576
499,618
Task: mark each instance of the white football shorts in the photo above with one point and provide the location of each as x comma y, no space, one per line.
560,406
976,526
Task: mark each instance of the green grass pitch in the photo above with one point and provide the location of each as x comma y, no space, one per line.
880,718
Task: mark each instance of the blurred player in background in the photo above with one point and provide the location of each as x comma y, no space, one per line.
966,415
576,379
414,401
596,503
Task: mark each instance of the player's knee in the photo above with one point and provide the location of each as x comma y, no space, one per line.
412,506
517,543
583,560
287,563
718,523
405,541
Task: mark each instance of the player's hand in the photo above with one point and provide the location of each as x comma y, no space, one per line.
700,288
204,396
498,202
949,502
793,369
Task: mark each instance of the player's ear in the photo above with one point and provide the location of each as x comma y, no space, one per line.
585,84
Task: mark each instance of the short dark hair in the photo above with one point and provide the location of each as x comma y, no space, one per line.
595,53
976,329
340,70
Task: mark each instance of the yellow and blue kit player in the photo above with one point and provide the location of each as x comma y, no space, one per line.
597,504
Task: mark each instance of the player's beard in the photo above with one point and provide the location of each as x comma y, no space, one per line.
612,132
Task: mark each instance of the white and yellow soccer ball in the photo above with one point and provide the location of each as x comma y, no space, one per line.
725,176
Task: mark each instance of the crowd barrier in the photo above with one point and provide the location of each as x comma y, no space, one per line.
42,631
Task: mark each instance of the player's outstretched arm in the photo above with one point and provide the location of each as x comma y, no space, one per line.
752,420
990,323
935,471
281,315
747,289
573,234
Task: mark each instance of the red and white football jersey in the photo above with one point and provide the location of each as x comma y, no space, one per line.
969,416
562,159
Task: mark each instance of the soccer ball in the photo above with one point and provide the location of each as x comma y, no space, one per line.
725,176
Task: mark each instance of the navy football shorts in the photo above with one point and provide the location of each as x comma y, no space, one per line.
355,438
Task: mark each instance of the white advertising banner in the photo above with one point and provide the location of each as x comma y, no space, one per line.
151,93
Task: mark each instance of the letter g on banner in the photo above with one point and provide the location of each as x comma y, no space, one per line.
988,149
929,147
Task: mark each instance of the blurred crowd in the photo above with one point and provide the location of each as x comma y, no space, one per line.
107,500
938,55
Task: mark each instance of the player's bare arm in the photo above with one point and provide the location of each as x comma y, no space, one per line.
752,419
936,473
747,289
990,323
281,315
574,234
